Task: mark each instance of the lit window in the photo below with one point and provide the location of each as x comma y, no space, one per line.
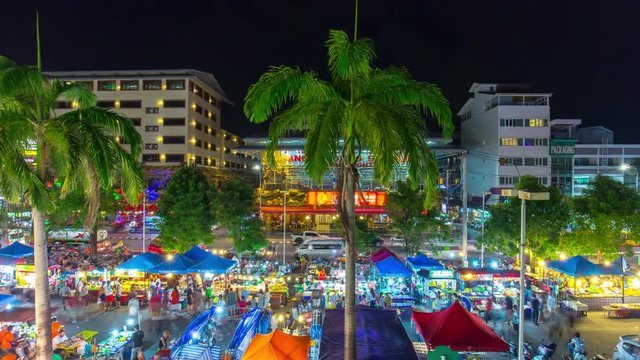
510,141
536,122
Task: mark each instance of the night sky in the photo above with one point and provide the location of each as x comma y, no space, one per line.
587,53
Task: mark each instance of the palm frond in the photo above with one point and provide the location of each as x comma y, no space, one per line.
80,94
323,139
274,89
349,60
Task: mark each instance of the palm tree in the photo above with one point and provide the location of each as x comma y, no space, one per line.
79,148
362,107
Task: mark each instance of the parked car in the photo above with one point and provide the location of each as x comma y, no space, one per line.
397,240
297,239
312,249
377,242
628,348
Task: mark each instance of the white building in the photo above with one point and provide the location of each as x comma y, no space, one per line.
177,112
505,128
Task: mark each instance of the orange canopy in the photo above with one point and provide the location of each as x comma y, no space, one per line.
278,346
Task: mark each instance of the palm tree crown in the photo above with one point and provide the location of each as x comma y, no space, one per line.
365,107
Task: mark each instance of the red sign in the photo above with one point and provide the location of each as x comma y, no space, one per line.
364,198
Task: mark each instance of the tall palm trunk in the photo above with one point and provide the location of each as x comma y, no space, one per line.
42,298
346,209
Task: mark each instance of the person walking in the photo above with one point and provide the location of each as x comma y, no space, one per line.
136,339
535,310
175,300
64,293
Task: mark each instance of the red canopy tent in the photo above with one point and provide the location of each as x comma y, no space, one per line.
458,329
382,254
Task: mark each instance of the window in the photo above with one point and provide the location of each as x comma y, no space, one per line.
304,247
174,158
543,180
536,142
511,122
151,146
510,142
581,161
541,161
130,104
198,126
537,122
198,143
86,84
151,128
151,157
152,84
106,104
212,146
175,84
174,103
63,105
199,160
173,122
151,110
516,161
191,86
107,85
198,109
508,180
198,90
136,121
129,85
206,96
510,161
173,140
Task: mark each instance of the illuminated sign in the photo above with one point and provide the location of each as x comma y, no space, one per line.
441,274
364,198
365,160
562,147
25,268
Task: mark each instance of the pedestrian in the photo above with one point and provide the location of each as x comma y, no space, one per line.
535,309
175,300
487,311
208,295
136,339
109,297
387,301
64,294
242,306
551,303
516,319
261,303
165,340
118,292
189,300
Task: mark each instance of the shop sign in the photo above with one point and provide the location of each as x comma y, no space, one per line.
25,268
364,198
562,147
70,234
365,160
441,274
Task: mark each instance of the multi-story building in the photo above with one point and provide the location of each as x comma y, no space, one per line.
177,112
505,128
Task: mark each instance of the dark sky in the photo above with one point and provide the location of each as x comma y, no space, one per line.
587,53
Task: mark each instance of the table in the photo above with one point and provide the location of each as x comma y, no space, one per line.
87,334
622,311
575,308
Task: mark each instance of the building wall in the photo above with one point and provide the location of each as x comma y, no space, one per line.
591,160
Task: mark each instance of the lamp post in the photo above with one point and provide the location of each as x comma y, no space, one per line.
284,226
484,194
257,167
144,220
523,196
632,169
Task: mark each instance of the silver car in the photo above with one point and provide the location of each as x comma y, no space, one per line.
628,348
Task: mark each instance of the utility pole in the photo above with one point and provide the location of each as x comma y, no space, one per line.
484,194
144,220
465,259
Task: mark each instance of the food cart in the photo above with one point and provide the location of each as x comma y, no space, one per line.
479,284
393,278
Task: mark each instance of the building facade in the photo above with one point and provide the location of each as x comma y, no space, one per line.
505,128
177,112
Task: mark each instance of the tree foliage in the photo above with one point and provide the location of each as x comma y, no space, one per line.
234,204
604,218
418,226
546,221
251,237
185,208
364,236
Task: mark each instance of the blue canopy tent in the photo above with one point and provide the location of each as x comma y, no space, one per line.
619,267
576,266
196,352
213,264
245,331
16,250
391,266
421,261
197,253
142,262
6,300
177,264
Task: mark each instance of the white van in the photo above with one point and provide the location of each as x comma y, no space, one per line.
312,249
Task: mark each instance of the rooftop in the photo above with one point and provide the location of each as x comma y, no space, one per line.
206,78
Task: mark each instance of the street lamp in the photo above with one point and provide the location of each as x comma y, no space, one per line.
257,167
144,220
632,169
523,196
484,194
284,226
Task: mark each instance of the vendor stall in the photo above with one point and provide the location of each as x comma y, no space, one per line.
597,286
394,278
25,276
17,250
478,284
113,346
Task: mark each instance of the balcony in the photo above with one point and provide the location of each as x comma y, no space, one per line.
517,100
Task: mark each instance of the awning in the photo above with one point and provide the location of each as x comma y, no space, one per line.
458,329
379,335
213,264
421,261
197,253
278,346
17,250
577,266
320,210
391,266
177,264
381,254
142,262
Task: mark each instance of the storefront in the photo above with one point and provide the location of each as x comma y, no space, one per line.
488,283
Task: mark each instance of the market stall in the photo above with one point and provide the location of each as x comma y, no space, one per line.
394,278
25,276
458,329
479,284
595,285
386,337
17,250
113,346
132,273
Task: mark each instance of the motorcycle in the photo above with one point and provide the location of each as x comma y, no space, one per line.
513,350
545,351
